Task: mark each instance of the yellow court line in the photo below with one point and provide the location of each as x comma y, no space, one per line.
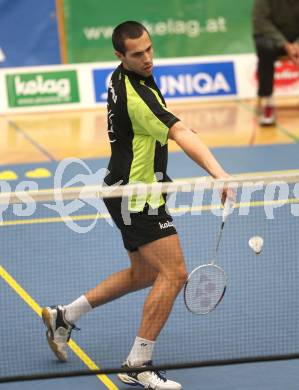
175,210
31,221
38,310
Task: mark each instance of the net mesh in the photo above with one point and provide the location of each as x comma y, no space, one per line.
55,247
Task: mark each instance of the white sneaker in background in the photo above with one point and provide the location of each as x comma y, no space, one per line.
267,116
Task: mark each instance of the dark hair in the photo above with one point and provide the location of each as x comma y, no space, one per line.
125,30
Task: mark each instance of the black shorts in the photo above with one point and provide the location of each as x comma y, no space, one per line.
139,228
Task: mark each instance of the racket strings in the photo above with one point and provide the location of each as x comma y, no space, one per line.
205,289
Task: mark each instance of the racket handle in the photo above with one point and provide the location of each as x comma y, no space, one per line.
228,206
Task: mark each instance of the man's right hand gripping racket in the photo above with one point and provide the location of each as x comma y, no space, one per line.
206,284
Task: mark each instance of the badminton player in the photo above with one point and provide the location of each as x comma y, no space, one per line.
139,128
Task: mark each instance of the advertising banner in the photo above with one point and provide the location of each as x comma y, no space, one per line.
286,77
28,33
64,87
181,80
42,88
178,28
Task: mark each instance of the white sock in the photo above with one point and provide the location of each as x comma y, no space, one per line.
141,352
268,101
76,309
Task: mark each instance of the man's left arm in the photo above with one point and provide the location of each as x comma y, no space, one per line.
192,145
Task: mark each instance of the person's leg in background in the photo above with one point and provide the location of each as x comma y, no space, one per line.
267,55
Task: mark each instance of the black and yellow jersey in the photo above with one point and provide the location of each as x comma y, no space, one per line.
138,125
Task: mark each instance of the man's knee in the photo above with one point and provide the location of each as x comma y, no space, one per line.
178,277
183,276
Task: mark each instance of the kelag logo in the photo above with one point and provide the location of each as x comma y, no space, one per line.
181,81
35,89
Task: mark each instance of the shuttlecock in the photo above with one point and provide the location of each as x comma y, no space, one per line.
256,244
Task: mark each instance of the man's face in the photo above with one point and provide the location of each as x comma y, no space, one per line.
138,56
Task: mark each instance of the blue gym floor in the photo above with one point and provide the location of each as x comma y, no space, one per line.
44,263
